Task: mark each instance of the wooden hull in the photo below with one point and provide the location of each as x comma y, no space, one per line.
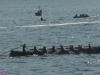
20,53
38,14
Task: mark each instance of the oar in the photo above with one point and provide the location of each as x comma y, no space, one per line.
10,50
4,53
17,47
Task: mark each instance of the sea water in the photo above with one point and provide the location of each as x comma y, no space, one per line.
19,25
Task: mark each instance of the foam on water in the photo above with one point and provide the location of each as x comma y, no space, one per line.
62,24
2,27
70,23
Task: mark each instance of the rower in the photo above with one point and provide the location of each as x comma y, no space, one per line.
62,48
76,15
53,48
71,47
89,46
35,50
44,50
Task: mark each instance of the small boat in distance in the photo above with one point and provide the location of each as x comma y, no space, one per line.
39,13
81,16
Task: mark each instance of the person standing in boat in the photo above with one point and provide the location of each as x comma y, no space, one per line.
41,11
24,46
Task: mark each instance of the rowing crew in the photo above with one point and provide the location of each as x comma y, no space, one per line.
61,50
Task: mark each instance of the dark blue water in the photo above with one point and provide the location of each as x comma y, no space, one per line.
19,25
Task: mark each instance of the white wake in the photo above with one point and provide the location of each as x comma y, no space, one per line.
70,23
62,24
